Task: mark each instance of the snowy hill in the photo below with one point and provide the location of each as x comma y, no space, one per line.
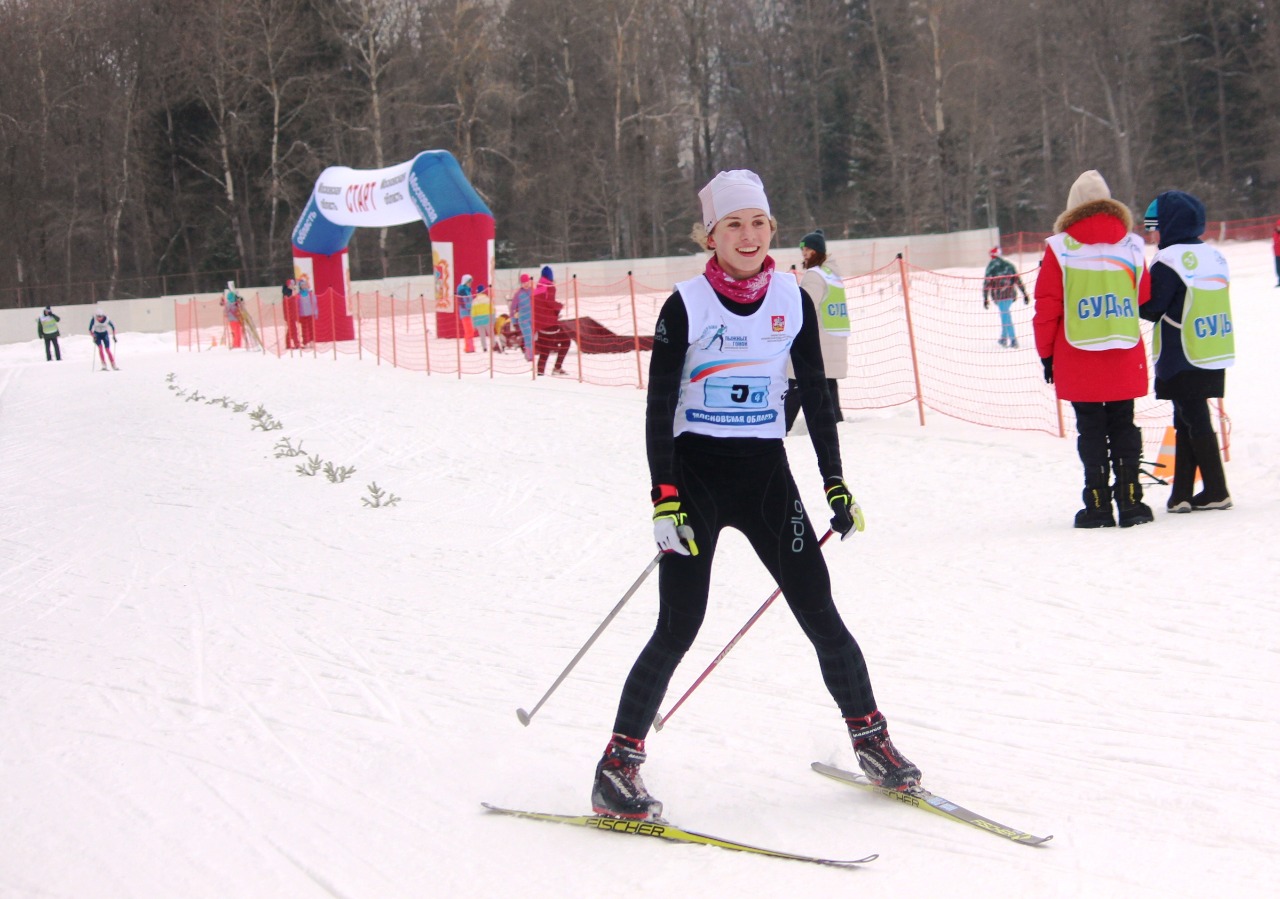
221,678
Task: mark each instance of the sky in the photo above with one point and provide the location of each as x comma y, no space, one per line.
222,678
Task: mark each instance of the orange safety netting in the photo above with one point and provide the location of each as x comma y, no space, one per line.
918,336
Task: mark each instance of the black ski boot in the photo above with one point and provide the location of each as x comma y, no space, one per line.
1128,495
1097,500
1184,474
878,758
618,791
1215,494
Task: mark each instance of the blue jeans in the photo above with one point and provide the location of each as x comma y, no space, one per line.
1006,320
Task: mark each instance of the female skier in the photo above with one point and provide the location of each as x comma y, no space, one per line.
714,435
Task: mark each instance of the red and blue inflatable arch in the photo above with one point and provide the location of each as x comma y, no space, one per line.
429,188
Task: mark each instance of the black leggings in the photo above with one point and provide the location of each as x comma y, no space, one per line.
756,495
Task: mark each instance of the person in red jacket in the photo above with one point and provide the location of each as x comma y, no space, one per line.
1092,280
1275,249
549,336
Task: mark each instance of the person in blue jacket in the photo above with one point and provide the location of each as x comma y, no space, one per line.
1194,343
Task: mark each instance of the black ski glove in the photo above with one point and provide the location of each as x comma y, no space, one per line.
848,514
1047,362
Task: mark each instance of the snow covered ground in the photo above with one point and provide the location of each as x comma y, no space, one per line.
219,678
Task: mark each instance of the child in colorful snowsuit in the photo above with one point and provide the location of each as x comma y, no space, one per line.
464,314
231,312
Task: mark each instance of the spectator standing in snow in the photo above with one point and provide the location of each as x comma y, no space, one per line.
231,312
825,287
713,431
1193,345
1091,283
464,314
289,302
47,327
103,332
1275,249
549,336
521,310
1001,283
306,311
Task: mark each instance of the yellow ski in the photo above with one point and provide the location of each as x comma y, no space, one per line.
664,830
919,797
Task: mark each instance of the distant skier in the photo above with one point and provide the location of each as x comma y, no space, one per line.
104,333
47,327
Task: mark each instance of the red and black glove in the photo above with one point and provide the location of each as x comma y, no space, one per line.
669,529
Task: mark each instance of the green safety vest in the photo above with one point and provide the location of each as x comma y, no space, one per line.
1100,291
1208,333
834,307
48,324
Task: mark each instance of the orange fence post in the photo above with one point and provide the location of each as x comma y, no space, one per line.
457,335
377,317
1224,428
394,358
359,328
635,331
911,335
426,338
577,323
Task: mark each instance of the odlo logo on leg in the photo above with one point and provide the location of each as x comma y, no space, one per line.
797,528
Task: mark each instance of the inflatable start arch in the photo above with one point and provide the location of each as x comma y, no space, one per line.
429,188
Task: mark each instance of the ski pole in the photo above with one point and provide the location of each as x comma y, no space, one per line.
526,717
661,720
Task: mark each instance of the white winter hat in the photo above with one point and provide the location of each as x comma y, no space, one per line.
231,285
730,191
466,279
1088,187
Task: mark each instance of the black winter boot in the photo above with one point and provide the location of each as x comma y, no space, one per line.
1128,495
1097,500
1214,495
1184,474
618,791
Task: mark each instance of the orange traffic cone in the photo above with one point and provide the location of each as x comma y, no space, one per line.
1168,453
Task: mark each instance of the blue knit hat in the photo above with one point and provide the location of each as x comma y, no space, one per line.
547,273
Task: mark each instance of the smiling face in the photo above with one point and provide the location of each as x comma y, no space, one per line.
741,241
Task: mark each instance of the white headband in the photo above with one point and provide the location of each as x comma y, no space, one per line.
730,191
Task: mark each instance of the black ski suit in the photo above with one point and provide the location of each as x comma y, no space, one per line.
744,483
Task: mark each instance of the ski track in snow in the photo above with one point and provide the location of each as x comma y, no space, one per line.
219,678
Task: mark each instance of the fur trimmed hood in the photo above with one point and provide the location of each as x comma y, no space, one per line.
1113,208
